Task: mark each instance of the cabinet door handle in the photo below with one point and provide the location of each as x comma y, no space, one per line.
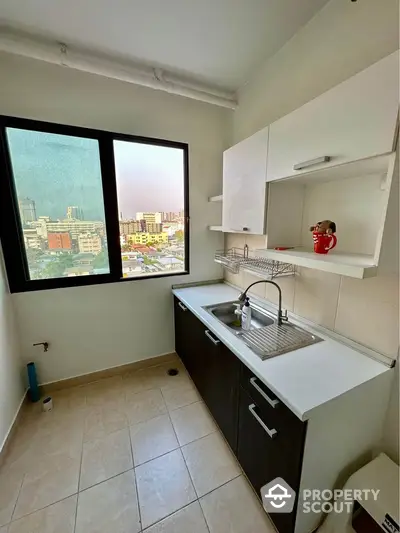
212,339
270,432
182,306
240,229
272,403
311,162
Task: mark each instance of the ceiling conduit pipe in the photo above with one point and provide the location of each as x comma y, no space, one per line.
159,79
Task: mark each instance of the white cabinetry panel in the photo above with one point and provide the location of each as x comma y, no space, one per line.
244,185
354,120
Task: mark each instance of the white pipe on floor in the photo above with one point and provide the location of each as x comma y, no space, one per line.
60,54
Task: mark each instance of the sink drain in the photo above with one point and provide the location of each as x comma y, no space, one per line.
173,372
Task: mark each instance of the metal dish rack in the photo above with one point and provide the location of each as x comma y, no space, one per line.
236,259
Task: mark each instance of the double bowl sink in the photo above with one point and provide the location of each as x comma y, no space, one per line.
265,338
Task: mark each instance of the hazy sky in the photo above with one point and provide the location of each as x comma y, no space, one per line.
149,178
57,171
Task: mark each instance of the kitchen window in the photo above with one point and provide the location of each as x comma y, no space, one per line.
80,206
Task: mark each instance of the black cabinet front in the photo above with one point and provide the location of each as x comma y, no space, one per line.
213,368
222,386
266,452
265,435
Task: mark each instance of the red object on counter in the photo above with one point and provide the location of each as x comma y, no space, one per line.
323,242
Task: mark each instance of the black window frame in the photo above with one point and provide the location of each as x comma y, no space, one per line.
11,231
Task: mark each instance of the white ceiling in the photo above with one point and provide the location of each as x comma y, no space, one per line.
219,42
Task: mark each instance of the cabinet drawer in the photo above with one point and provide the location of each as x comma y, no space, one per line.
274,409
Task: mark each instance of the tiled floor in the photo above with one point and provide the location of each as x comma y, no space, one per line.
138,452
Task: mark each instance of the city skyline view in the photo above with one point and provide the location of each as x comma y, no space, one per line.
149,177
60,196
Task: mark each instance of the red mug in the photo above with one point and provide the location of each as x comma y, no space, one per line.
323,242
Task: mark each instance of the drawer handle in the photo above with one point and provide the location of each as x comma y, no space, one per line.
272,403
182,306
212,339
240,229
311,162
270,432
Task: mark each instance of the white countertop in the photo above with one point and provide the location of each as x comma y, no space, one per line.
304,379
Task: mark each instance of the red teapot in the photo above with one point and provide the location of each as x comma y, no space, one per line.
323,236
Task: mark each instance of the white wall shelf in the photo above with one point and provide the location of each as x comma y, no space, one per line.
215,228
216,198
353,265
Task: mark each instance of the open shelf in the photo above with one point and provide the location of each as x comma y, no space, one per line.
215,198
215,228
353,265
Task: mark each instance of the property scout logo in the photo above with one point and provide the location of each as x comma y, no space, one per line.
279,497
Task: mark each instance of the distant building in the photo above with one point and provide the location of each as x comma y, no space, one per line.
40,226
33,240
89,243
74,213
169,217
75,227
59,242
79,271
153,227
147,238
27,209
83,259
150,217
127,227
172,227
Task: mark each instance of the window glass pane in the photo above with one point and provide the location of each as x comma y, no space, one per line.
150,188
60,197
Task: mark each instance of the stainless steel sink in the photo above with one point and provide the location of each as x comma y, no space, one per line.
225,313
265,338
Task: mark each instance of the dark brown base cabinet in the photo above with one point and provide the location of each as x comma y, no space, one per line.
213,368
264,434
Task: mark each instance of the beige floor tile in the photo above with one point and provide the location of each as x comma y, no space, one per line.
104,458
69,399
106,391
57,518
157,377
144,406
4,529
10,484
102,421
152,438
192,422
132,383
234,508
109,507
61,442
187,520
210,463
49,486
164,486
181,395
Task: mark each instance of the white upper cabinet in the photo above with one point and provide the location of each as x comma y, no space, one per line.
354,120
244,185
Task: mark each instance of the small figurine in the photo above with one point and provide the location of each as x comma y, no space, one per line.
324,236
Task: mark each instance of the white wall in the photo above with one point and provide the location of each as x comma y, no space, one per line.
96,327
11,383
341,40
